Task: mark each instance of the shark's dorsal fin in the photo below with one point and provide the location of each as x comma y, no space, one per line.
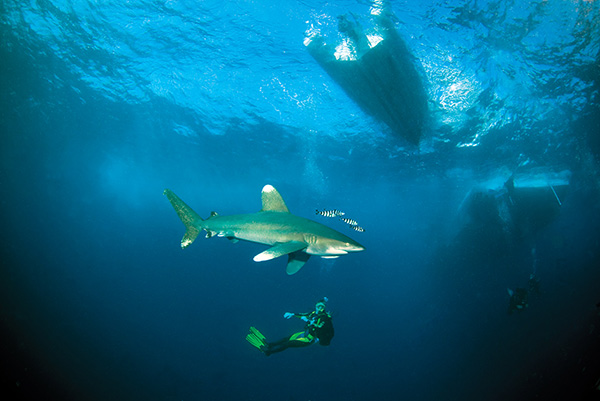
272,201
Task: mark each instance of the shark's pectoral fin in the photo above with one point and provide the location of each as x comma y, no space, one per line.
280,249
295,262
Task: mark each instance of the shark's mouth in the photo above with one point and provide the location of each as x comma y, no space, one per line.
336,252
332,252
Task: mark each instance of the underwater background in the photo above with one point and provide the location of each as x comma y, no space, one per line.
105,104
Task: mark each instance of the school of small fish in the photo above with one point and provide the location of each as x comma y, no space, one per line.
337,213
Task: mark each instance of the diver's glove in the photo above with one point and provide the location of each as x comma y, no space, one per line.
304,318
288,315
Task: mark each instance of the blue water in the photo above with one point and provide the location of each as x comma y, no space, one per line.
105,104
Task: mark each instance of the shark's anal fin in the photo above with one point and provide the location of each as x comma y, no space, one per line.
295,262
280,249
189,218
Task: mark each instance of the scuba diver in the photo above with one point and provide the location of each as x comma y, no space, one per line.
518,300
318,329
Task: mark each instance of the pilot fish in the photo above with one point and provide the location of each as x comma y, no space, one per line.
357,228
330,213
349,221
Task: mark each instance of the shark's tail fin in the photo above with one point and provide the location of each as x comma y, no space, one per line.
190,218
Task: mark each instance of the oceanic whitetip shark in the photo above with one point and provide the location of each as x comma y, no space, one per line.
273,225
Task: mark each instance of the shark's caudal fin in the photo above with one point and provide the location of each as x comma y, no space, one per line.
187,216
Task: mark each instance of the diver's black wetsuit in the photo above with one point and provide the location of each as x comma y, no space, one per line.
318,328
518,301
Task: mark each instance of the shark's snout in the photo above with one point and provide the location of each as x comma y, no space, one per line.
355,247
